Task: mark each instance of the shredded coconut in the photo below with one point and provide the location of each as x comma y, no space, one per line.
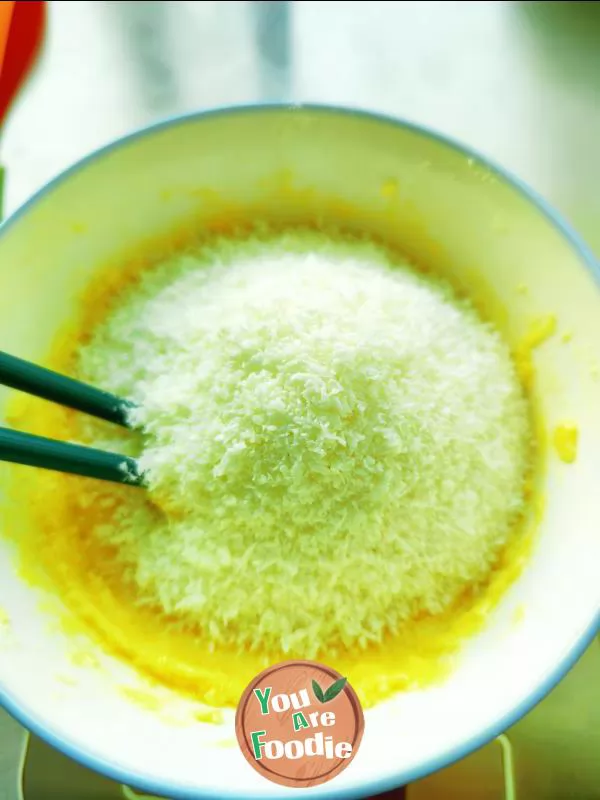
335,441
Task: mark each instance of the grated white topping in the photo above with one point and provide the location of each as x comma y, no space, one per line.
337,441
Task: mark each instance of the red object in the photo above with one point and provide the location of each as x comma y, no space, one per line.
25,37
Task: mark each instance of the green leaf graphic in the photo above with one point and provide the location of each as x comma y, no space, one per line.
318,692
334,690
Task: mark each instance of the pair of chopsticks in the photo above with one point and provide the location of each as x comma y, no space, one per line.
37,451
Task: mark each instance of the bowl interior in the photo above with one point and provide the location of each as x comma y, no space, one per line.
446,209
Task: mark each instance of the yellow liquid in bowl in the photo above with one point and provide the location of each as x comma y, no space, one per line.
60,553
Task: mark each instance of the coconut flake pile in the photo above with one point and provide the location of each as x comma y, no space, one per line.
335,441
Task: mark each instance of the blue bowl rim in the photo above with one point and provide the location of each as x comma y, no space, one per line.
177,791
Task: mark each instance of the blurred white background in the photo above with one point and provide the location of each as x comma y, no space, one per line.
519,81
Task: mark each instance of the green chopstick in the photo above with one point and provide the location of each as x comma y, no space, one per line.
41,382
37,451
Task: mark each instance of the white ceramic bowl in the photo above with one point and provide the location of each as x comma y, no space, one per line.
491,230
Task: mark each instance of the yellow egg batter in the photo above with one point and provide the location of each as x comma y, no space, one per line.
565,441
60,553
